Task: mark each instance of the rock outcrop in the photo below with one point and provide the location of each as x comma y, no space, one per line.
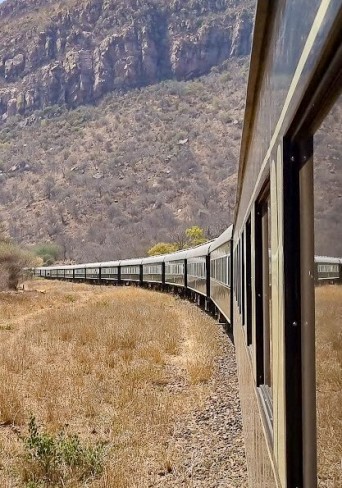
75,52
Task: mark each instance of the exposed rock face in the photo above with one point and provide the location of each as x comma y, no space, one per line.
54,54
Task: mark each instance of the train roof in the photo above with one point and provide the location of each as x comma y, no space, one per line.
109,264
92,265
59,266
327,259
131,262
225,237
201,250
176,256
154,259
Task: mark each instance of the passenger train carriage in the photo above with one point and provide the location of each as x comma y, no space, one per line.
221,273
260,274
295,79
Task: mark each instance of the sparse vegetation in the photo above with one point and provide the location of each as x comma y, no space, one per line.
82,367
13,259
162,248
57,460
193,236
329,384
48,252
120,165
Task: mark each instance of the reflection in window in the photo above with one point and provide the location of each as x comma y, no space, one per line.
267,304
263,302
328,247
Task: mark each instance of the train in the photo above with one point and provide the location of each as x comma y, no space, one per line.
203,273
259,276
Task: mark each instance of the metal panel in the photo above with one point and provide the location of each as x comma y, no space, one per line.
261,472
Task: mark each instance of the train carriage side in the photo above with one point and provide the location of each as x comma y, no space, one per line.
221,273
60,273
38,272
175,269
68,273
131,271
80,273
93,273
56,272
109,271
294,80
154,270
198,272
327,270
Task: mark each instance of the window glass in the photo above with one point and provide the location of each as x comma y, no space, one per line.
248,283
328,293
263,303
267,293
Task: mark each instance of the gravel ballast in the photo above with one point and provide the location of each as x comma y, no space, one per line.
210,439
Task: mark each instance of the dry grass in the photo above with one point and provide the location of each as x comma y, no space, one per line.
329,384
104,364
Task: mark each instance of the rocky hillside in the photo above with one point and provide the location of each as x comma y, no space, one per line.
72,52
110,180
120,120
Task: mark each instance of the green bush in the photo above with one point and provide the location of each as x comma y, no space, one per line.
55,460
49,252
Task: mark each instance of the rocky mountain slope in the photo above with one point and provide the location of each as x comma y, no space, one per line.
109,181
120,120
74,52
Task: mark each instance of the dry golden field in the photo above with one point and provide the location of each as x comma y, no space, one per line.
88,383
329,384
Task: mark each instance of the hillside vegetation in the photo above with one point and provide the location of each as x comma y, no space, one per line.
111,180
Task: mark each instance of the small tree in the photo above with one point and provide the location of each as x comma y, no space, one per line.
195,236
162,248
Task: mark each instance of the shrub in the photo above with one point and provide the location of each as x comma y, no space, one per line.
57,459
162,248
12,262
49,252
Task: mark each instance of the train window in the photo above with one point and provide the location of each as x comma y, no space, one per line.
236,277
248,283
263,302
243,281
327,163
235,271
239,275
